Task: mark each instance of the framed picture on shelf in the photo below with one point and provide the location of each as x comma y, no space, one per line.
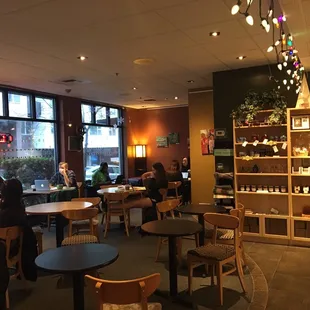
300,122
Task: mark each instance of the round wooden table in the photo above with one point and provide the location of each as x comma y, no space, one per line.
55,208
200,210
76,260
172,229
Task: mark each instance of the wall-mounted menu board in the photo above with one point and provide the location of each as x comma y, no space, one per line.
162,141
174,138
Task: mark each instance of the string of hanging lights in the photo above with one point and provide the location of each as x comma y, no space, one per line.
282,44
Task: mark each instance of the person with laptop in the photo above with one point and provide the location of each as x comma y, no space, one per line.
101,176
64,176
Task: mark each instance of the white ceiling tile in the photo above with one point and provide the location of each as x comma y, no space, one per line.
159,4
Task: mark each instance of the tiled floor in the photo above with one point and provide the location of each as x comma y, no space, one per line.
286,270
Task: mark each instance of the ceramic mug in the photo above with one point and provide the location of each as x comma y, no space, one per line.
270,188
296,189
277,189
306,189
253,188
248,188
283,189
242,188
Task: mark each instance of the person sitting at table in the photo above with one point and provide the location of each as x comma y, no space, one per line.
154,181
64,176
185,164
12,213
175,175
101,176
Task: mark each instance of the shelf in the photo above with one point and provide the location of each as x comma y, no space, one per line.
301,218
265,193
300,195
263,174
260,126
276,216
261,143
266,157
300,130
300,157
300,175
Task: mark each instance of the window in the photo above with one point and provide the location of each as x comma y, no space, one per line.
31,156
102,140
19,105
1,104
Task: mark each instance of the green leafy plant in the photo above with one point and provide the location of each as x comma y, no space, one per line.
273,100
246,112
27,169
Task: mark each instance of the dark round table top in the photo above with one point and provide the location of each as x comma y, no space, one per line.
197,209
174,228
77,258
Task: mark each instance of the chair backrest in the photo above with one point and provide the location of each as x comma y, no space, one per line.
240,213
78,215
79,185
126,292
95,201
163,192
166,206
222,221
118,196
175,186
10,234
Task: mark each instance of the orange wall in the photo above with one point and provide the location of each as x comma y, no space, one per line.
143,126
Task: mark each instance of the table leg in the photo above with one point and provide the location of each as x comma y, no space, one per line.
173,265
59,230
202,233
78,291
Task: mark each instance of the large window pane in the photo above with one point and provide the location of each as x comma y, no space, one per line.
86,113
101,115
45,108
19,105
103,147
31,156
1,104
114,114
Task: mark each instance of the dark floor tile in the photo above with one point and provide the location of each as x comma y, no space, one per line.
281,300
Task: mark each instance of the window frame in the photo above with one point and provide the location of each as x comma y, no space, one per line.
108,125
32,95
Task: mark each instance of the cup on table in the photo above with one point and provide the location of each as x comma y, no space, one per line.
60,186
33,187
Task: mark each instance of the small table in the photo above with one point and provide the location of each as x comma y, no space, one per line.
76,260
56,208
200,210
47,193
172,229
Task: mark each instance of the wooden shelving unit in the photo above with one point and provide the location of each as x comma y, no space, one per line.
262,225
289,226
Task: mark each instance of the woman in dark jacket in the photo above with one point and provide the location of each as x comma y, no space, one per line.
154,181
12,213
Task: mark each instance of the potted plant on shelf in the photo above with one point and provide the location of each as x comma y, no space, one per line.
246,112
273,100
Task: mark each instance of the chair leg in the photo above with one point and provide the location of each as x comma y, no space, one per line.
179,250
107,223
126,222
212,270
49,223
240,272
159,243
197,240
40,244
190,268
220,282
96,232
7,299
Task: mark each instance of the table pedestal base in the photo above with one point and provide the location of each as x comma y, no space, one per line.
78,291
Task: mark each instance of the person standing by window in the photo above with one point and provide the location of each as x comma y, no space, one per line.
101,176
64,176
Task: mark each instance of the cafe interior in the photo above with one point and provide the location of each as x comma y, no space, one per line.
154,154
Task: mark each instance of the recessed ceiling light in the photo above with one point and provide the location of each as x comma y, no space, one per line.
214,34
134,88
191,81
241,57
143,61
82,58
176,98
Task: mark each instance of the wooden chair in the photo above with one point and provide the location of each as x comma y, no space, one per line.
226,236
116,206
217,255
78,215
79,185
163,192
128,294
175,187
84,224
163,208
9,235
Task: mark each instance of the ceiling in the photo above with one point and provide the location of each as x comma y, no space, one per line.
41,39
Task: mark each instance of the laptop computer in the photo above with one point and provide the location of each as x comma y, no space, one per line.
185,175
42,185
